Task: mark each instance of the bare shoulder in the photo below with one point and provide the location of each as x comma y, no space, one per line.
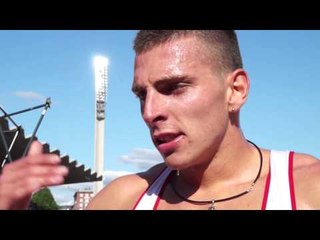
303,160
306,165
307,181
123,192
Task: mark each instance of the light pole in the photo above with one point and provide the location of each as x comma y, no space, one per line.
101,86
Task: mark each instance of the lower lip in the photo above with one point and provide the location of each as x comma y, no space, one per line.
169,147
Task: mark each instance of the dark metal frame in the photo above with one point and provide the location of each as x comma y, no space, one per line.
46,105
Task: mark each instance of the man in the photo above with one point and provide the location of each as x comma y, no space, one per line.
191,87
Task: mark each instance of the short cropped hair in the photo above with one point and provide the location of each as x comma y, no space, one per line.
222,44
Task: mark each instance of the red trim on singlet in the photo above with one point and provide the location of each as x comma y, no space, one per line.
145,191
155,207
266,190
291,183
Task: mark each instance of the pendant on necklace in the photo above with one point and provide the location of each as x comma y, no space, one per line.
212,207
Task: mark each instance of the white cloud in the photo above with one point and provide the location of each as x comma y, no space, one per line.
28,95
143,158
108,176
63,194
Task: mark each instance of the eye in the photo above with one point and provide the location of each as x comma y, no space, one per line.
174,88
141,95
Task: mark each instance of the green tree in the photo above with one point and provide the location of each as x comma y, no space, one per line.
43,200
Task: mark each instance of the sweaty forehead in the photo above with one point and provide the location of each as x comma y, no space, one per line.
175,57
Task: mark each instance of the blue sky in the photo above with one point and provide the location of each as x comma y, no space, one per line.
282,111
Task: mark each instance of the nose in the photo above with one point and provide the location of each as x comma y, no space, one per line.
153,109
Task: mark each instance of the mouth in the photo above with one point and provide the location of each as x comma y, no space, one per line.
165,138
167,142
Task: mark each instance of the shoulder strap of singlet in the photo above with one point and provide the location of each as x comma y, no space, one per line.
279,189
149,198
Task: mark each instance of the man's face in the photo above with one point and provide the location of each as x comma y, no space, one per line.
183,101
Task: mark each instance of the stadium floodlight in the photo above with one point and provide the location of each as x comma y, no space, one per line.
101,85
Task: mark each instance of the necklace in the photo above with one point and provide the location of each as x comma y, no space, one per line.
213,201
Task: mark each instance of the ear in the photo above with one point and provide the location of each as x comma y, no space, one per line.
238,89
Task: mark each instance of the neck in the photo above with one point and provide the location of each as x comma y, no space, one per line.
235,162
215,200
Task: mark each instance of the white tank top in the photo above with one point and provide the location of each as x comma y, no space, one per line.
279,189
278,194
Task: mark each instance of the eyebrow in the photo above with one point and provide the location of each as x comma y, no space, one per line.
165,80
